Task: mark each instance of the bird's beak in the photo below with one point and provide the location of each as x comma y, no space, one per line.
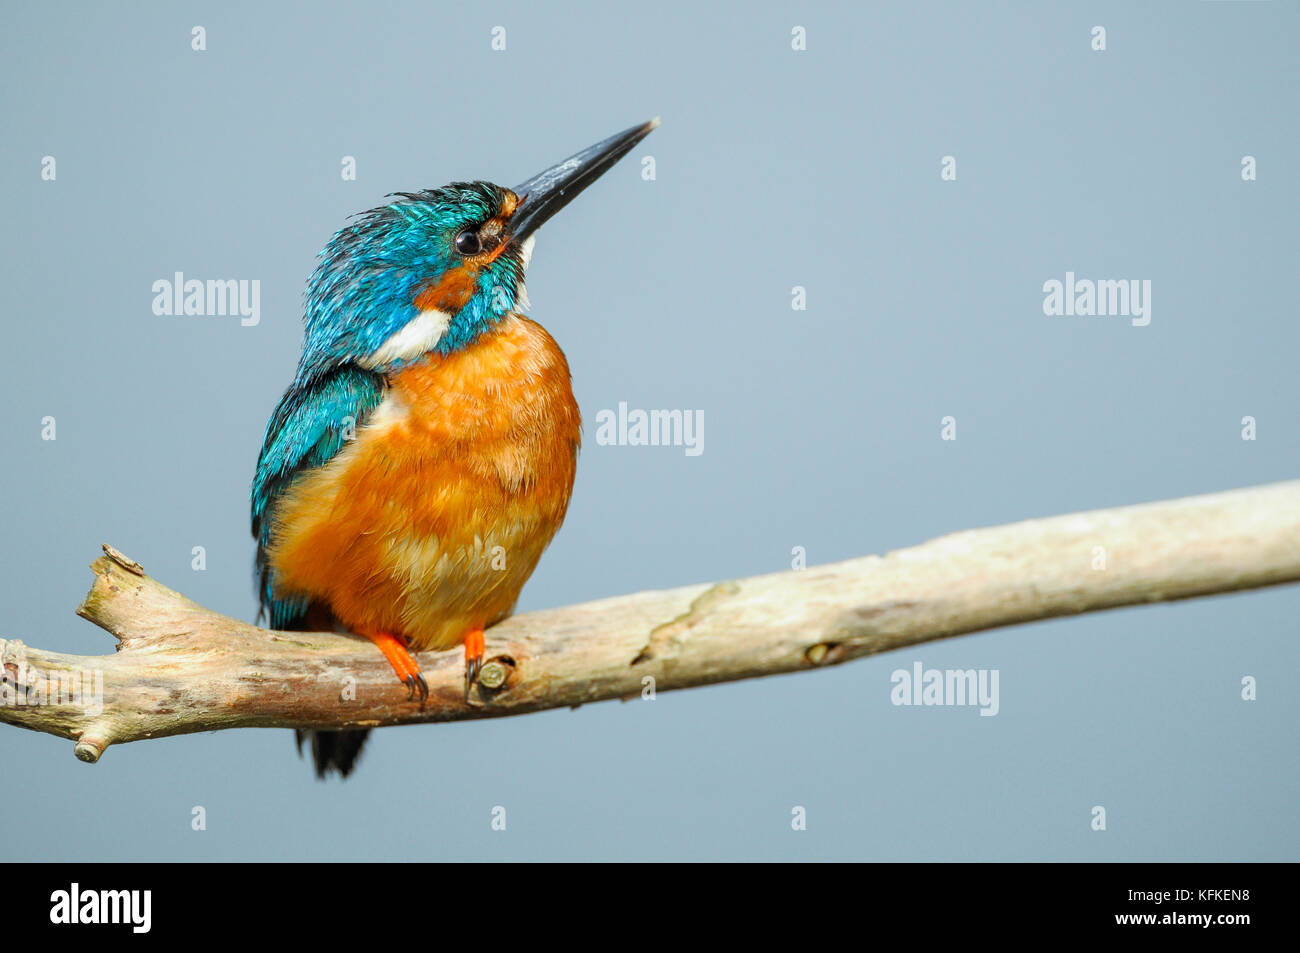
547,192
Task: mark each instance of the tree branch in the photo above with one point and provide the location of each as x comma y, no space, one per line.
181,668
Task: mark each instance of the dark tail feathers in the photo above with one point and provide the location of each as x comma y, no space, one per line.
330,750
333,750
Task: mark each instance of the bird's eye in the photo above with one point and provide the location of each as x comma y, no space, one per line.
467,243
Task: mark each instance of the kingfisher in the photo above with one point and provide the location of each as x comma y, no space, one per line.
424,455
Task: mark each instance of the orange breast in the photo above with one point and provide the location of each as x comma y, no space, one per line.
428,524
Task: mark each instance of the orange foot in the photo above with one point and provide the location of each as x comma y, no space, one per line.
407,669
474,649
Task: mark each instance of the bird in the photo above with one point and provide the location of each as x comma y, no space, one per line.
424,454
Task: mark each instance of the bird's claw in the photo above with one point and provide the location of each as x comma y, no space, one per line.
403,663
474,652
472,667
416,683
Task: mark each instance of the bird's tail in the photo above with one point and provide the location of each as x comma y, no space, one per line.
330,750
333,750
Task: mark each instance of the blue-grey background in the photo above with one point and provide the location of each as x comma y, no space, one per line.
775,168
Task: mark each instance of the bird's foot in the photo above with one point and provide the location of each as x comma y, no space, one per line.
404,664
475,647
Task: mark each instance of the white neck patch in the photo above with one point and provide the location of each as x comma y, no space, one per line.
419,336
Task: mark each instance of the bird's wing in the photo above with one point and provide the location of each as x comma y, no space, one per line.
310,425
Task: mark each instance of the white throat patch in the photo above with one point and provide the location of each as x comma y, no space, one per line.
525,256
420,335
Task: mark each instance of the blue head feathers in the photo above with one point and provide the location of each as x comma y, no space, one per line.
442,249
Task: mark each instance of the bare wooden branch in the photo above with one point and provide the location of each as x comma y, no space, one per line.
181,668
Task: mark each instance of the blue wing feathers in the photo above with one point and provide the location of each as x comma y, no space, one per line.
309,426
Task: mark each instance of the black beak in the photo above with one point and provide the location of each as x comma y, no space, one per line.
547,192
